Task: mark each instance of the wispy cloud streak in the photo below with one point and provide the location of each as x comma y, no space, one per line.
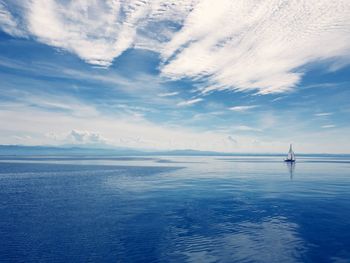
323,114
189,102
169,94
328,126
245,45
99,31
8,23
243,108
253,45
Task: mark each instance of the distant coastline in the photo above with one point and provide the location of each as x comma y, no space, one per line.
7,150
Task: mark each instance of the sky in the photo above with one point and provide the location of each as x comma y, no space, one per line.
229,76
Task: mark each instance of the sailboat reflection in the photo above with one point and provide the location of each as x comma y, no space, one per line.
291,168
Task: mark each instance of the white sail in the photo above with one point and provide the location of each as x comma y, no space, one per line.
291,155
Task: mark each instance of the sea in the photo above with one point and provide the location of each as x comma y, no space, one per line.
174,209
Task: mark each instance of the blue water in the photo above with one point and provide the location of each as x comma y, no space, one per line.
174,209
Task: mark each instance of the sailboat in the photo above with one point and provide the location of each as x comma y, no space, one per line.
291,155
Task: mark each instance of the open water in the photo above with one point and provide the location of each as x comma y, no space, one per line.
174,209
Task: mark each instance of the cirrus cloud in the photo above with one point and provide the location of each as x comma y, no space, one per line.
244,45
189,102
243,108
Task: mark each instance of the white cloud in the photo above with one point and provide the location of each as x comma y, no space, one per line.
28,124
322,114
236,45
189,102
246,128
243,108
90,29
8,23
34,126
278,98
85,137
247,45
115,131
168,94
328,126
99,31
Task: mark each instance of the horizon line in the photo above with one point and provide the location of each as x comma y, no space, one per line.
154,151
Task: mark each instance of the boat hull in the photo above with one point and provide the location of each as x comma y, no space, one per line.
289,161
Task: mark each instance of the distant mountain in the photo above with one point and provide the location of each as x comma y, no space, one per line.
89,150
94,150
64,150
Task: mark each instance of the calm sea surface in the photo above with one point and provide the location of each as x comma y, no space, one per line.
174,209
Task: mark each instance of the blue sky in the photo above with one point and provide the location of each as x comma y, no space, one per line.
243,76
